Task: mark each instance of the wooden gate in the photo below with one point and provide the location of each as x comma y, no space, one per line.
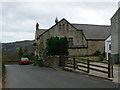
74,63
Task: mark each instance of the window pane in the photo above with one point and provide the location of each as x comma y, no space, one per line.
67,27
63,27
70,41
109,46
60,27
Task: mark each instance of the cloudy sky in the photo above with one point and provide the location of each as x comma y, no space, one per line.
19,18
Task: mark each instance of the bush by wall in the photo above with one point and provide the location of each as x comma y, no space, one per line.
100,55
57,46
97,53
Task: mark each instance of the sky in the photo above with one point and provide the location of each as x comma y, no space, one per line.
18,19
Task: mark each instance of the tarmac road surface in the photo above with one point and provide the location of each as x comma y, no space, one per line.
28,76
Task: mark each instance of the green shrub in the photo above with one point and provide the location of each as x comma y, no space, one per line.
97,53
57,46
101,57
103,54
40,62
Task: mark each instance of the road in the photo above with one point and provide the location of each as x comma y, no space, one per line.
28,76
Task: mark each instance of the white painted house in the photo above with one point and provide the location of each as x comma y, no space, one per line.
108,46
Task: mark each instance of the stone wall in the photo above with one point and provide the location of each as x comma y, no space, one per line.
51,61
78,52
71,32
119,33
115,45
114,34
94,45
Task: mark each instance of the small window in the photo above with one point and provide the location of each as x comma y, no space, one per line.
109,46
70,41
63,26
60,27
67,27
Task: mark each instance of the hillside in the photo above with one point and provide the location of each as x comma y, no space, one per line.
10,50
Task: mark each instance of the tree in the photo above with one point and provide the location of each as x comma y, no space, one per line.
20,52
25,52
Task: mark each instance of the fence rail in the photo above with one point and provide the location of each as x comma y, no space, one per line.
76,63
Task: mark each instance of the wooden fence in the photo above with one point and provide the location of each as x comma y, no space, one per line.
87,65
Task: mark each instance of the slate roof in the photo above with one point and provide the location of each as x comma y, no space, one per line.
94,32
116,13
91,32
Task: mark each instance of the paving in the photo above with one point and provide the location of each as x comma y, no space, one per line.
28,76
116,73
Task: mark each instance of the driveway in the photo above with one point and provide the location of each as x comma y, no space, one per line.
28,76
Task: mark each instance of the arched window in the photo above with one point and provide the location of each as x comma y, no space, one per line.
63,26
67,27
60,26
70,40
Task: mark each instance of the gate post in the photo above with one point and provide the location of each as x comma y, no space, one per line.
88,66
62,61
74,63
110,67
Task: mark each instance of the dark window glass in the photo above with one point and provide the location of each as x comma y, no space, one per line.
60,27
70,41
63,26
67,27
109,46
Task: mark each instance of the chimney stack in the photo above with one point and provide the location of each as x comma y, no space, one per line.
56,20
37,26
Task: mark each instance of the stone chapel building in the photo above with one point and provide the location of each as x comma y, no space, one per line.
84,39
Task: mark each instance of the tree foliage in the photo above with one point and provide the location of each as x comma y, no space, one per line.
25,52
20,52
57,46
97,53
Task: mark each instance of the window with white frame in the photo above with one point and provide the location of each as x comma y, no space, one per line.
109,46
